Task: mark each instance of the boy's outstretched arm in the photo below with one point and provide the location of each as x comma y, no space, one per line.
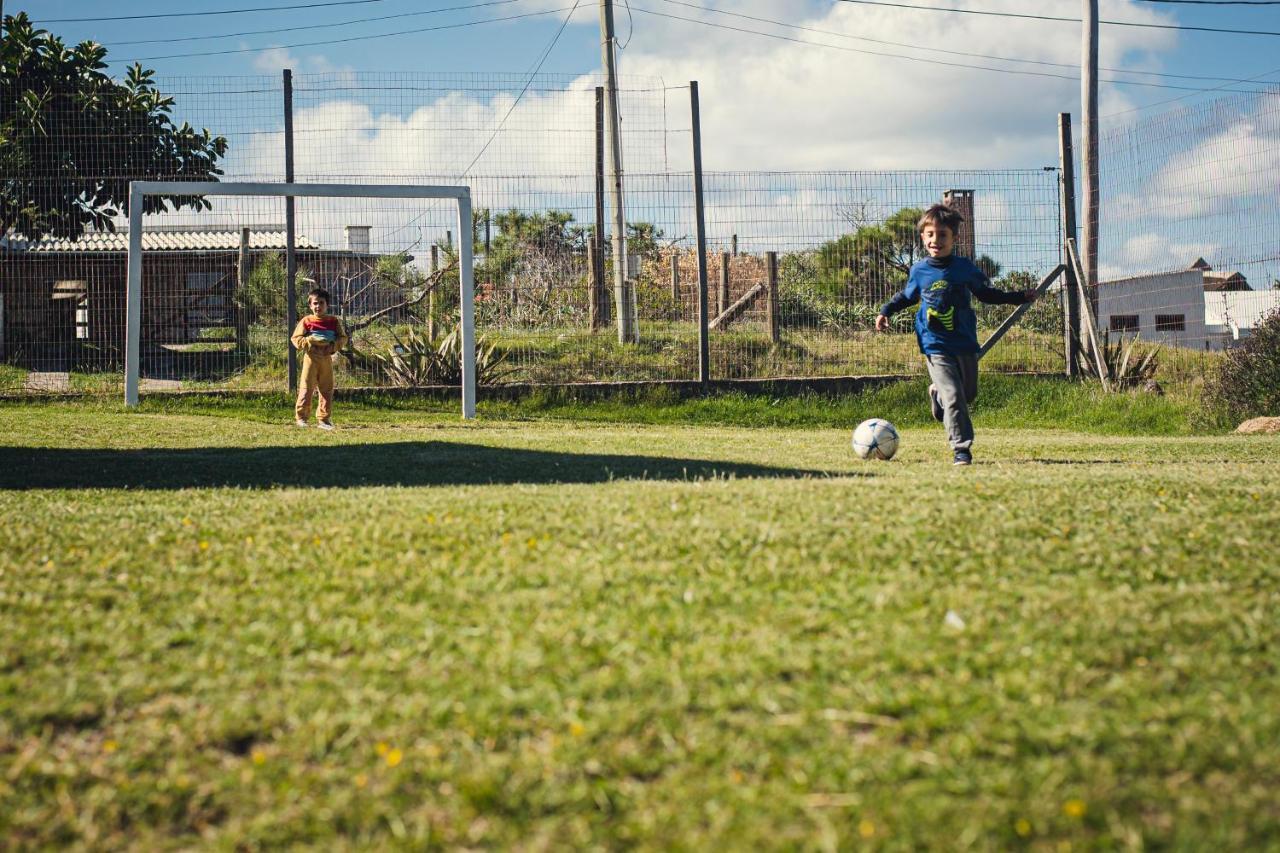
995,296
904,298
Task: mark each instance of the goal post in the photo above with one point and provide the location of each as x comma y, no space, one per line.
139,190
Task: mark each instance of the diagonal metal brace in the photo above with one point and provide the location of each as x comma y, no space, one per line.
1019,311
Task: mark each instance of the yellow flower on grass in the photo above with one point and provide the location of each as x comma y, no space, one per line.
204,545
577,729
382,748
866,828
394,757
259,757
1074,808
1022,827
110,746
361,780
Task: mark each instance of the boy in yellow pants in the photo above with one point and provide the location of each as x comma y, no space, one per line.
318,336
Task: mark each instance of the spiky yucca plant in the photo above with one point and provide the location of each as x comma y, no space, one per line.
1128,365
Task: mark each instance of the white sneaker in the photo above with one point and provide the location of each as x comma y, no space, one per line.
300,422
325,425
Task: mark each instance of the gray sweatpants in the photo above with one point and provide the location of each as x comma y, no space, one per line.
956,379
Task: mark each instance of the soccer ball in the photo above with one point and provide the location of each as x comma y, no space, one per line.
875,439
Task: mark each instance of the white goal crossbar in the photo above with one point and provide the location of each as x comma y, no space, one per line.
138,190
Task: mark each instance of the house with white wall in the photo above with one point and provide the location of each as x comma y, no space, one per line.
1166,308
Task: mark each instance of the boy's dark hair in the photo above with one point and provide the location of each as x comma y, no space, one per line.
941,216
319,291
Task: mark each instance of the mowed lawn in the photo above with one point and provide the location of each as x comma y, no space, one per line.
222,631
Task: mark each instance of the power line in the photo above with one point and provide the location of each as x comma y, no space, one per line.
532,74
202,14
913,58
346,40
1192,95
1227,80
1217,2
1056,18
312,26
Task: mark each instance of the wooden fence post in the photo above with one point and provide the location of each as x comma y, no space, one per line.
722,295
772,306
675,279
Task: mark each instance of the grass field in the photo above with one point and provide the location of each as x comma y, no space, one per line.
537,631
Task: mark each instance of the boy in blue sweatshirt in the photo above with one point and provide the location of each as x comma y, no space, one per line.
946,326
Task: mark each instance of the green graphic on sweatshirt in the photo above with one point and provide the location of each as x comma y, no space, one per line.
946,319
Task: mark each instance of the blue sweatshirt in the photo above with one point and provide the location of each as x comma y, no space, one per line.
946,323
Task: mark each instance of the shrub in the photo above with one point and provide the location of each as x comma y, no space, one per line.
1127,364
1246,383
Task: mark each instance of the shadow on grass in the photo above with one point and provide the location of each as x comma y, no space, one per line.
414,463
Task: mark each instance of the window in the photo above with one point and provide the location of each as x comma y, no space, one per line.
1171,322
1124,322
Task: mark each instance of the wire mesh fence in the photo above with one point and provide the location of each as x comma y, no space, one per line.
1188,259
798,262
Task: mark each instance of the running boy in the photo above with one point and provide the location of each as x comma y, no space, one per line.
318,336
946,326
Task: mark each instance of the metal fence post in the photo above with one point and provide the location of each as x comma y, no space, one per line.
290,251
1069,291
722,292
704,354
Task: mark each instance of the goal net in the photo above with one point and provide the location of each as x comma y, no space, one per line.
214,291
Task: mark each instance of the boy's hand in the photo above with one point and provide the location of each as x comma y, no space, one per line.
882,323
1031,295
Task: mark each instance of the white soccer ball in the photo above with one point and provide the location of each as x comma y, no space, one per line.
875,439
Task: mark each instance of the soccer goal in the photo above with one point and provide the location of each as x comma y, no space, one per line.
460,195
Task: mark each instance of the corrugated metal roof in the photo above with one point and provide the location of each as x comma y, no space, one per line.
184,240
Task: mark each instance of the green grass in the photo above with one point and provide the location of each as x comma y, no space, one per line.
12,378
415,632
1003,401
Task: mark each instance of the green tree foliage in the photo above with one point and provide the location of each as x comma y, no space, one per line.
71,137
872,262
263,300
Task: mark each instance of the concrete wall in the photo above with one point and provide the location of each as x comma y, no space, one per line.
1146,296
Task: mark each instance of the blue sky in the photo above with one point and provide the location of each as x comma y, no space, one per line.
771,104
514,45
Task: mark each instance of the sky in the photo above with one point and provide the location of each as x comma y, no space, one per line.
1007,118
813,100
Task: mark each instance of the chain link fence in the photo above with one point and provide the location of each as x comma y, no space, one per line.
797,265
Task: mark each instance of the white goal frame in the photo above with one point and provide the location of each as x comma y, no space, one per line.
139,190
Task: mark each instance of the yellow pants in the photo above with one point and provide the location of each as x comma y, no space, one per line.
316,375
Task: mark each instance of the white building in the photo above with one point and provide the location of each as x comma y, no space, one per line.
1231,316
1195,307
1166,308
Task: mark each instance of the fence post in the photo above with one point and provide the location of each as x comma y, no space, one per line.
242,286
704,349
722,292
431,297
733,245
598,308
290,250
675,279
772,264
1069,292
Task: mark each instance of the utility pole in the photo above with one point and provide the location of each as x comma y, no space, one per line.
1089,162
621,296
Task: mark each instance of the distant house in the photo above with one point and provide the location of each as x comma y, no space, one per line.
1167,307
1220,281
63,301
1196,307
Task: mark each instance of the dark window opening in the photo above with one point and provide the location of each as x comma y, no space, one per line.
1171,322
1124,322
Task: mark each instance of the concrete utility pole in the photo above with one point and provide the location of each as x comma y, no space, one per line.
1089,162
621,288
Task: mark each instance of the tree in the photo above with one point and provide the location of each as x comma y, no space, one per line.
874,260
72,138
